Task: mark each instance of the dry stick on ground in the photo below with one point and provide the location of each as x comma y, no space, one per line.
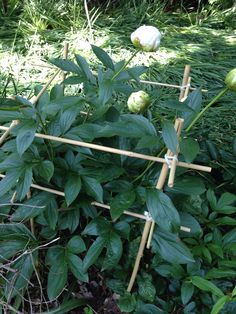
164,171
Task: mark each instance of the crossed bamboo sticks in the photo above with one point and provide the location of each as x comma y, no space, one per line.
149,222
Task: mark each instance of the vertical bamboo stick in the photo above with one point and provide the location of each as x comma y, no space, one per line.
160,184
174,161
184,81
164,170
140,253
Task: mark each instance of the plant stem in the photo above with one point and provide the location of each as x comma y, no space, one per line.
125,65
221,93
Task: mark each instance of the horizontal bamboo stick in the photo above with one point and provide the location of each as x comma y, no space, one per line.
115,151
126,212
171,85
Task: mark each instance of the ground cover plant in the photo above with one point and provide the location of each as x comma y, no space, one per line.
72,255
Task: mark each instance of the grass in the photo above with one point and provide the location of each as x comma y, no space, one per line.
28,42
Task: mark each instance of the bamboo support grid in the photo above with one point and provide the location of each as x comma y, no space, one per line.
149,222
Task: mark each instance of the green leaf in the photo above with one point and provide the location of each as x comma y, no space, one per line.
127,303
220,304
93,188
170,247
211,198
194,101
148,141
67,306
69,219
148,309
146,289
66,65
176,105
24,184
10,247
121,202
72,188
103,57
56,92
215,273
189,148
85,68
76,245
94,252
169,136
187,290
33,207
162,209
234,292
24,270
98,226
25,137
188,186
114,250
57,278
206,285
67,118
189,221
16,231
9,181
76,266
105,91
46,169
224,203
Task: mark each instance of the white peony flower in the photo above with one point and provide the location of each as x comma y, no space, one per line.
138,101
147,38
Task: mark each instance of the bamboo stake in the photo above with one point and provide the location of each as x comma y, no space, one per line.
187,89
140,254
161,182
8,131
171,85
164,171
116,151
184,81
174,161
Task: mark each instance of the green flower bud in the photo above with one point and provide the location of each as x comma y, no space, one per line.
230,80
138,101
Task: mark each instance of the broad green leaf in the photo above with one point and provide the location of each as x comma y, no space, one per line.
98,226
85,68
11,247
194,101
67,118
146,289
93,252
76,245
225,202
33,207
211,198
189,221
215,273
57,278
123,229
9,181
162,209
24,183
169,136
188,186
66,65
76,266
170,247
127,303
206,285
220,304
93,188
176,105
46,169
105,91
56,92
135,72
67,306
114,251
103,57
51,213
121,202
187,290
234,292
24,267
72,188
25,137
69,219
148,141
149,309
189,148
19,230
